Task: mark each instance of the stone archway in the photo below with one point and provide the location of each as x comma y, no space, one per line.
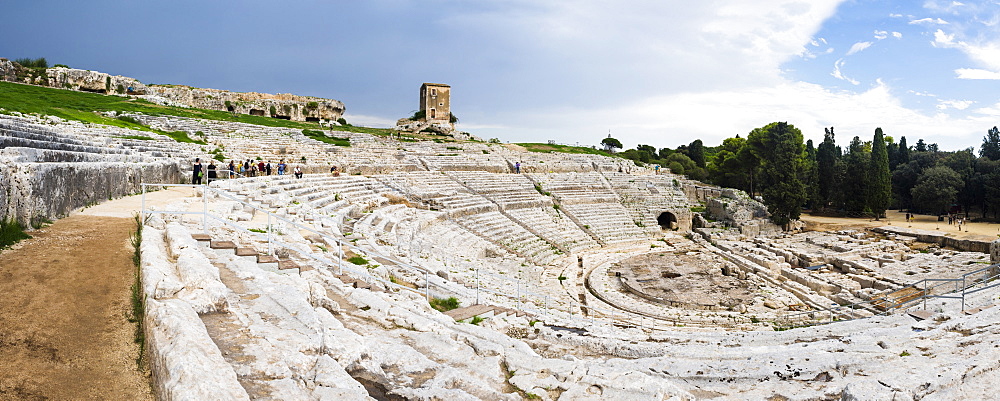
667,221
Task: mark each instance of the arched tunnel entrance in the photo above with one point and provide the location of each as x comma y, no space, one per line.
667,221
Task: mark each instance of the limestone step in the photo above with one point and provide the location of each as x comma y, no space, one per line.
223,246
203,239
469,311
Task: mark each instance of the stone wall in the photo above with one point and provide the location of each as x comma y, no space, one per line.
40,191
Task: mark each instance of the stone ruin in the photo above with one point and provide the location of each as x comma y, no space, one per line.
584,277
283,105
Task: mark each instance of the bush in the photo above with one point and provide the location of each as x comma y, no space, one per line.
33,63
358,260
342,121
444,305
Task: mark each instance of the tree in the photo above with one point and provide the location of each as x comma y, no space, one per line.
696,151
879,185
921,146
826,163
811,177
779,148
856,179
610,144
904,152
937,187
991,145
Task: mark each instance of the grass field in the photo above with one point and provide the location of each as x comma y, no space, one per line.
83,106
547,148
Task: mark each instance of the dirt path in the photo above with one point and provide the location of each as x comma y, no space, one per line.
64,308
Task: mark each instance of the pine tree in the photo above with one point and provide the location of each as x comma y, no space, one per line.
879,185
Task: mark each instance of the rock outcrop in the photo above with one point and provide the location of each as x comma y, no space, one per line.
283,105
93,81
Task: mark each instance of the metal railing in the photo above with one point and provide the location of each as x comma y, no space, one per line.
929,288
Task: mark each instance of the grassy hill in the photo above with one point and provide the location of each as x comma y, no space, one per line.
83,106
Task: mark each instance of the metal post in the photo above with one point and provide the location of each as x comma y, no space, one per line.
340,258
477,286
143,211
204,210
427,286
270,245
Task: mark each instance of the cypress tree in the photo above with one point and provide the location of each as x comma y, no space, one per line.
879,186
904,151
781,152
826,164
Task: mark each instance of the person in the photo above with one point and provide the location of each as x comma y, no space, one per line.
281,167
260,167
212,175
517,167
298,172
657,169
232,168
196,179
334,171
268,167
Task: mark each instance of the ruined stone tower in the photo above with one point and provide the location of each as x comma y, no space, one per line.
435,102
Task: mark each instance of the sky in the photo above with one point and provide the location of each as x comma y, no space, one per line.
657,72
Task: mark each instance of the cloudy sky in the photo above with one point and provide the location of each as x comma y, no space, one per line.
658,72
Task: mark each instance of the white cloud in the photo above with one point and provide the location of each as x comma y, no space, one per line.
678,119
954,104
840,75
972,73
857,47
928,21
897,35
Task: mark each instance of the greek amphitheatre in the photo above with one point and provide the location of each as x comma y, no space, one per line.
579,277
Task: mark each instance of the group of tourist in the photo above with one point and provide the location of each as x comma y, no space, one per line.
955,220
246,169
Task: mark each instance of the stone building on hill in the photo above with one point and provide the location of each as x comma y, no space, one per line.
435,103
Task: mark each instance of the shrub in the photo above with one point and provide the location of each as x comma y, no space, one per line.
358,260
445,304
33,63
342,121
273,111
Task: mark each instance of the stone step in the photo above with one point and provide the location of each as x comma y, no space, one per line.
203,239
223,246
469,311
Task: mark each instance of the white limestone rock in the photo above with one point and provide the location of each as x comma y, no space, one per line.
186,364
159,278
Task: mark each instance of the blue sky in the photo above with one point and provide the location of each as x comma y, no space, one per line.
661,73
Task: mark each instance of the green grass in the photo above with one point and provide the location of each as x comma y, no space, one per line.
137,137
138,299
320,136
445,304
547,148
10,233
358,260
84,106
